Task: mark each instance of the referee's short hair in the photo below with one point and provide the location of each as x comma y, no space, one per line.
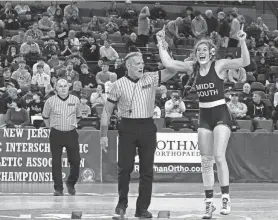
131,55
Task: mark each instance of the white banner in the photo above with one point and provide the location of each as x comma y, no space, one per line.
176,148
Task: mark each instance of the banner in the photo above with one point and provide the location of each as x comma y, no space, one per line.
177,158
25,156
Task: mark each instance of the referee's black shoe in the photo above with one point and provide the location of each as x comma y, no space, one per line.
71,189
58,193
143,214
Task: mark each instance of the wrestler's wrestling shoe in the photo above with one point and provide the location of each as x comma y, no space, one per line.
143,214
119,214
210,208
226,205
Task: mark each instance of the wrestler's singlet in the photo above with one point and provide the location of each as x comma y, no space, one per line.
210,87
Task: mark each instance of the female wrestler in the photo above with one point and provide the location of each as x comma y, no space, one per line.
214,118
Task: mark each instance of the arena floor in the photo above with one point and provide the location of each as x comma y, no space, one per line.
97,201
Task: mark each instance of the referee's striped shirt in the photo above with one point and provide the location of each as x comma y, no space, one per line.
63,113
135,98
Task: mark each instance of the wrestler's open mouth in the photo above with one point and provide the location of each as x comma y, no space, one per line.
202,57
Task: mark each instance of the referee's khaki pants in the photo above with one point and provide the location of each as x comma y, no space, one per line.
141,134
58,140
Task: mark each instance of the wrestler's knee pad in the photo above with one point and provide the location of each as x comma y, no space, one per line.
207,170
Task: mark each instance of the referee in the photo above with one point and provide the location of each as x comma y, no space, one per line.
61,113
134,95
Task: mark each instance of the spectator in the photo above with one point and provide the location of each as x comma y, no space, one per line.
10,95
90,50
84,34
74,19
28,97
66,48
132,41
20,38
262,25
94,25
40,78
61,66
263,68
60,31
35,32
174,108
76,89
46,67
163,97
224,29
188,11
119,68
52,9
144,26
22,76
130,13
246,95
257,109
98,68
8,10
22,8
33,56
28,21
53,61
125,28
172,30
237,75
98,98
26,47
87,79
53,81
11,23
111,27
157,12
17,117
58,17
199,26
51,47
73,40
12,53
84,108
36,105
157,111
212,23
253,31
108,51
185,27
216,39
235,27
2,30
70,8
45,23
70,75
7,78
237,109
103,76
108,85
112,10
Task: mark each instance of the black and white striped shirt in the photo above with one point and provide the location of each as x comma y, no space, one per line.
63,113
135,99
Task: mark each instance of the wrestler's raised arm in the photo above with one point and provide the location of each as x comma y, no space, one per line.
167,61
243,61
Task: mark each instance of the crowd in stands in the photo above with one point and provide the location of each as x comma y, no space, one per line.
39,48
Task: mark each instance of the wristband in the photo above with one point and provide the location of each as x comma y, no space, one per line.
103,130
